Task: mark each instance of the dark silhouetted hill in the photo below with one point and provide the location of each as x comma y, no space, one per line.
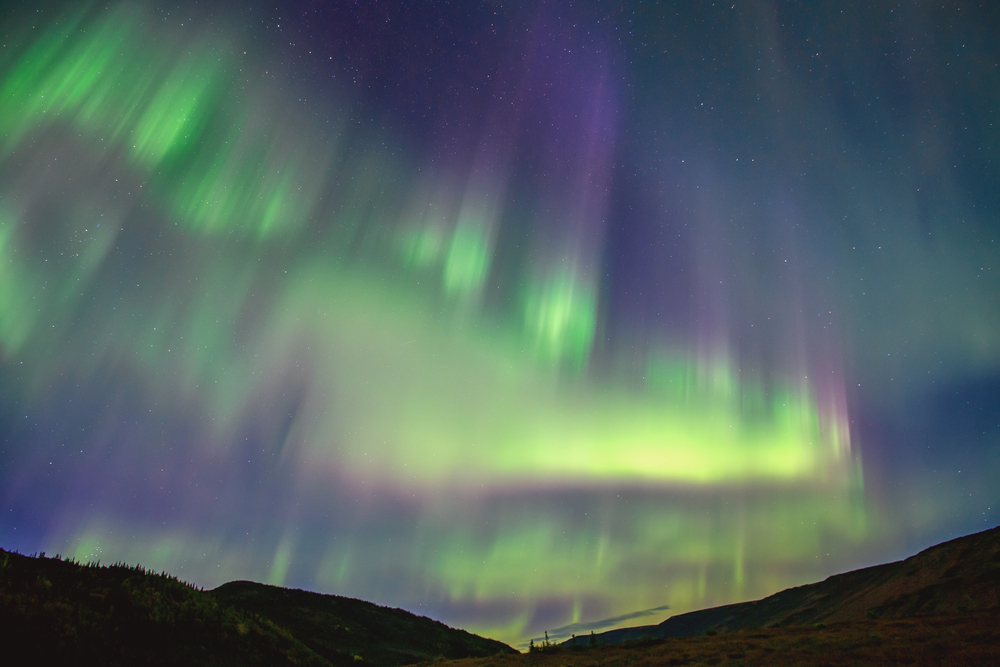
55,611
961,576
334,626
60,612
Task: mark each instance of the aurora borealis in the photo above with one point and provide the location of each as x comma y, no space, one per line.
523,317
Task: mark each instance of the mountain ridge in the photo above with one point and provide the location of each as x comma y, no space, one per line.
958,576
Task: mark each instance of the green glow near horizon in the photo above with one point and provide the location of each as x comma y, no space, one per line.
627,555
407,389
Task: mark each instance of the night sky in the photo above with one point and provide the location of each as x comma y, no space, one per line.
536,316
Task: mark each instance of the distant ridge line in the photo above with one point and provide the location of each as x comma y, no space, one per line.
958,576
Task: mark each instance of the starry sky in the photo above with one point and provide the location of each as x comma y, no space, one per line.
522,316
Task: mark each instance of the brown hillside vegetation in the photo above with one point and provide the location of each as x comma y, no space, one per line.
941,640
960,576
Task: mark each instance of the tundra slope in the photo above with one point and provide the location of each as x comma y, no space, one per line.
954,577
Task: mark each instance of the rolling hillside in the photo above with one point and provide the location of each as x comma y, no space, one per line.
55,611
955,577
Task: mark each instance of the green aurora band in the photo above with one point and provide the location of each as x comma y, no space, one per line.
279,255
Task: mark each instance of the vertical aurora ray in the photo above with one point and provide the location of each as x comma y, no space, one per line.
250,340
560,317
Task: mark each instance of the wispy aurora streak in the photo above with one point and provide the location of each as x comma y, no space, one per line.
218,279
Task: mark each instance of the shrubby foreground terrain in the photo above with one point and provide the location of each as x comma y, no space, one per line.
59,611
939,607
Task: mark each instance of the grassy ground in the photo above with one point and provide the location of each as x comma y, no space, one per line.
950,641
